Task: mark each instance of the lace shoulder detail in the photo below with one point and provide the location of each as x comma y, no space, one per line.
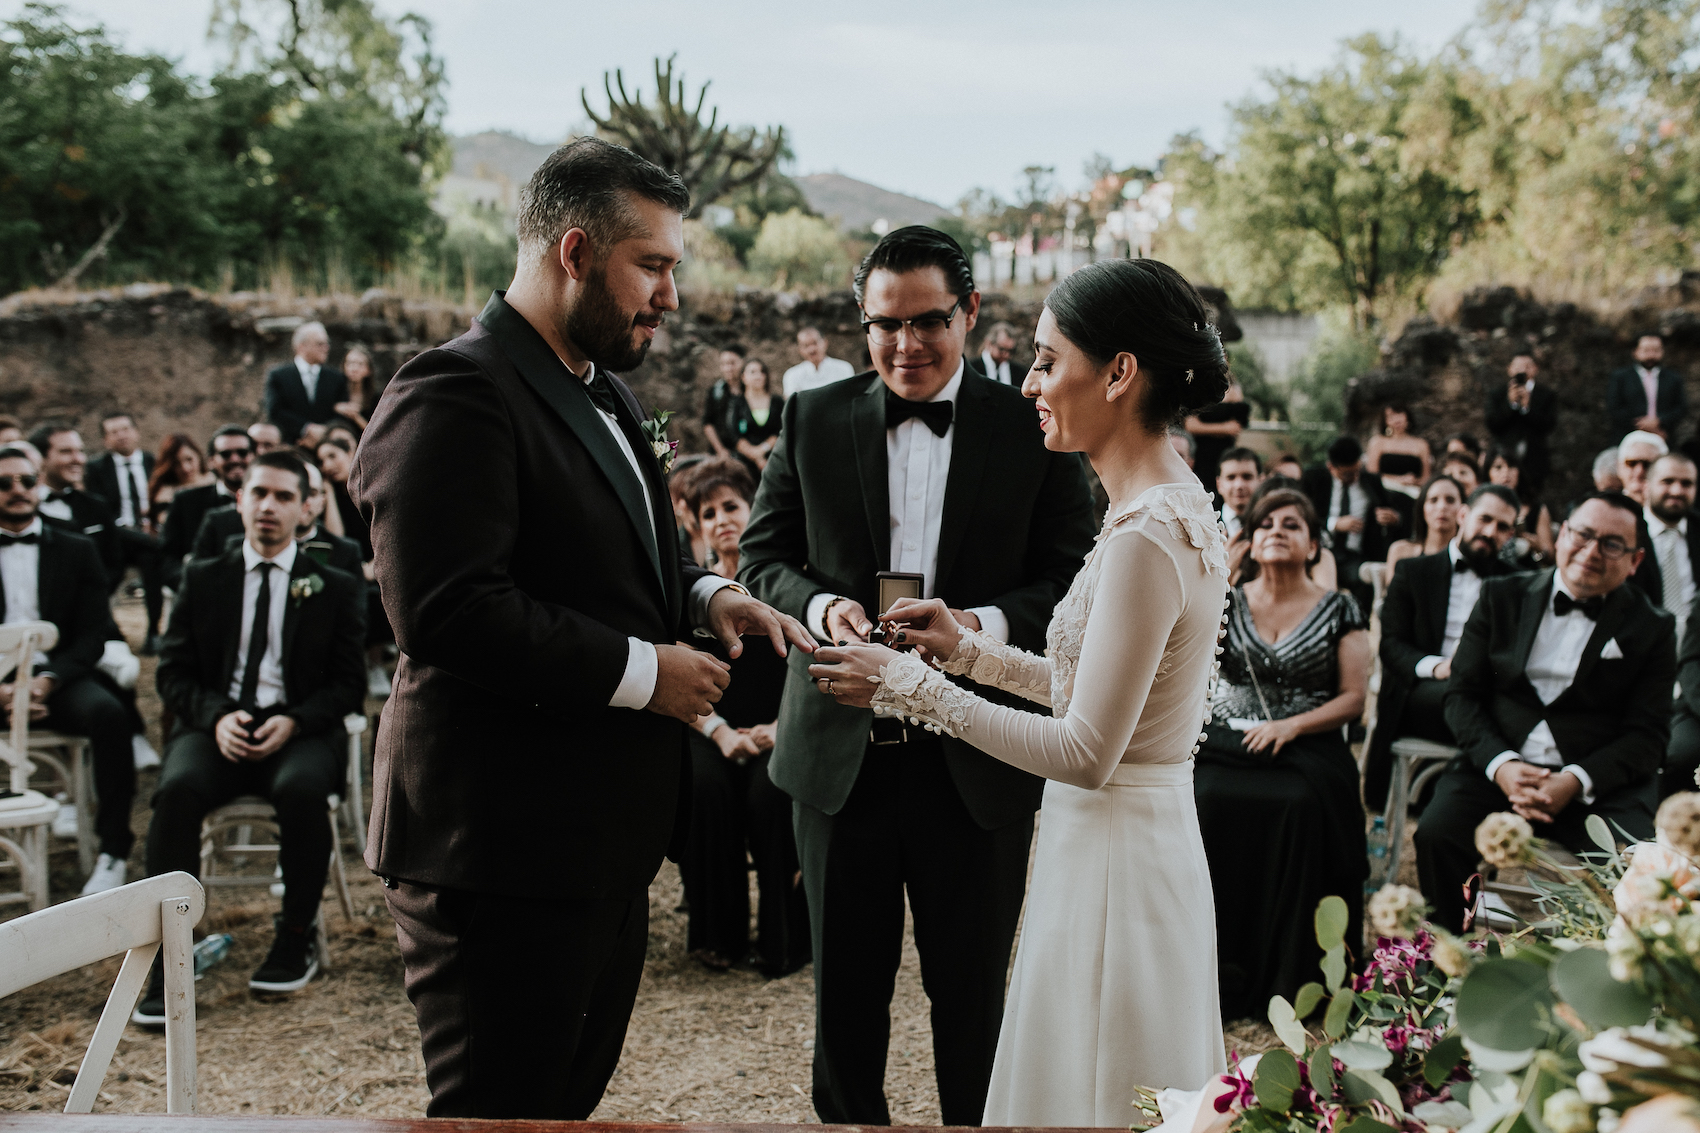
1187,514
908,689
988,662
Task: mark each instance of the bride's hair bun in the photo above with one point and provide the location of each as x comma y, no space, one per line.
1147,309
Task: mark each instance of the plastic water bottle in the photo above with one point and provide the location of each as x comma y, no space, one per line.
1377,855
211,950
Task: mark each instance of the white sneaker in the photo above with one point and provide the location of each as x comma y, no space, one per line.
377,682
108,874
65,822
143,753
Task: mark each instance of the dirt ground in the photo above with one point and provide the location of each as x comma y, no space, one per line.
703,1046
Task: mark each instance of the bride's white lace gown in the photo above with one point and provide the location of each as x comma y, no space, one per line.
1115,976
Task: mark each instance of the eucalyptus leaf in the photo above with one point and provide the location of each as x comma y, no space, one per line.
1446,1115
1442,1059
1357,1055
1366,1124
1276,1081
1331,923
1287,1026
1334,967
1583,980
1334,1023
1322,1071
1363,1086
1601,834
1502,1061
1506,1005
1308,997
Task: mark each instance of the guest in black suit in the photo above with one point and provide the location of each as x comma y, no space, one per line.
302,395
64,502
537,596
995,352
1362,519
50,574
1668,572
1560,697
1237,476
921,468
261,663
230,450
1627,402
1422,621
120,476
222,529
1521,417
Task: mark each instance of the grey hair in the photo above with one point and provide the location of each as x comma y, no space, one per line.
308,330
1605,462
1191,442
588,184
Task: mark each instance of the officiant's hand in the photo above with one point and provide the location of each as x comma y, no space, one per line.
732,614
847,672
926,623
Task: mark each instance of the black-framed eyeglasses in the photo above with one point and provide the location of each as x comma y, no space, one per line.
26,481
1611,546
925,328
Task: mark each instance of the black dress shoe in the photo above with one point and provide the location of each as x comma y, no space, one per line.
150,645
291,963
150,1012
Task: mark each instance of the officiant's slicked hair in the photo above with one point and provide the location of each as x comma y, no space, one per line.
1147,309
588,183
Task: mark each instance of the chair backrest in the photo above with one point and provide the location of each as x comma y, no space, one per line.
135,919
19,643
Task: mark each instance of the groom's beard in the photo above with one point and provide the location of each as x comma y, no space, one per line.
601,331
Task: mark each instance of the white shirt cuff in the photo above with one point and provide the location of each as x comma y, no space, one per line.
1499,761
993,623
1582,777
637,687
815,615
704,589
1427,666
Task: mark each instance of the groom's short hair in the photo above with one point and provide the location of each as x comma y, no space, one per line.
588,183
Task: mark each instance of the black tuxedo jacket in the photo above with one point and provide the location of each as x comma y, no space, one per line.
1017,523
1650,577
1525,433
1318,484
101,479
977,364
513,594
1626,400
324,636
183,521
71,593
1613,720
286,402
95,520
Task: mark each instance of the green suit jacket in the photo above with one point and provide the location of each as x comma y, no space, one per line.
1018,520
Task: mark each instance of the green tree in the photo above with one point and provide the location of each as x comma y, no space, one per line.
795,249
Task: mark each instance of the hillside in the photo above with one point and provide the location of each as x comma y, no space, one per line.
856,205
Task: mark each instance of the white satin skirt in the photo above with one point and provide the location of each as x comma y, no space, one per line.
1115,976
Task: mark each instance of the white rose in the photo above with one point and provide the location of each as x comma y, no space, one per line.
1568,1112
904,676
1593,1088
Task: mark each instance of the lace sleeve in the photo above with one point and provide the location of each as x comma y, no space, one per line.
988,662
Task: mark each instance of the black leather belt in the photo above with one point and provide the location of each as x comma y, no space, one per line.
888,730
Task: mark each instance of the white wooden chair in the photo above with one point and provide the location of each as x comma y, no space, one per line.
137,920
70,759
227,837
26,816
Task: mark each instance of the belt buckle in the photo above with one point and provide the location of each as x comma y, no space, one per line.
902,737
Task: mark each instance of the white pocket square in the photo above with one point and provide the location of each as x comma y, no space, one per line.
1611,652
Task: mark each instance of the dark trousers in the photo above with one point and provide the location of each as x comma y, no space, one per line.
141,550
196,778
1463,796
90,707
522,1002
905,826
1682,757
1346,564
1425,713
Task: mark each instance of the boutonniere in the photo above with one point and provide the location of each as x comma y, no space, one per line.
301,589
655,431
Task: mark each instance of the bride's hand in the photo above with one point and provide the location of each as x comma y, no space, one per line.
926,623
847,672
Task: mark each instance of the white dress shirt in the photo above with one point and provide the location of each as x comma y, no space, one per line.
917,465
20,574
997,371
1232,521
806,375
132,486
1650,387
50,507
309,377
1676,571
643,665
1460,600
1553,659
269,690
1346,500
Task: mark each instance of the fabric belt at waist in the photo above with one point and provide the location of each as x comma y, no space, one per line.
1151,775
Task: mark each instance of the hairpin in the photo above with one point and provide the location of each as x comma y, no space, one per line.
1189,377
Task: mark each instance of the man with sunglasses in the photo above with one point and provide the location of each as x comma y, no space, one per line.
229,454
923,469
54,575
1635,456
1560,698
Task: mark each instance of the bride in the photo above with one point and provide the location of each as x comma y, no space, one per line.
1115,978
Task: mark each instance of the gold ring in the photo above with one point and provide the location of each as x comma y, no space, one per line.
829,691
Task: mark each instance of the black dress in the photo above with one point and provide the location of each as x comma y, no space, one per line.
1281,833
735,805
741,425
1207,459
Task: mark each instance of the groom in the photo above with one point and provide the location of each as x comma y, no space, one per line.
531,765
945,474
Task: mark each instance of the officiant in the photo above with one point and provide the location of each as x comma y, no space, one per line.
920,468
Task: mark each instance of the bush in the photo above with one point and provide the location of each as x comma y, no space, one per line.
1316,393
798,250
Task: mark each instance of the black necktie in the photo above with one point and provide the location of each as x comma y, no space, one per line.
934,414
1563,603
8,539
601,392
257,638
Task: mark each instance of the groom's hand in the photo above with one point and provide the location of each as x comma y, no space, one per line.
688,683
732,614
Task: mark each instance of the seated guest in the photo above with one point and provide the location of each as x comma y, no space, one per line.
1434,522
690,532
222,529
120,476
11,429
1606,478
230,451
66,505
356,408
179,465
1287,465
1682,755
1560,697
1238,472
266,436
1465,444
1361,519
1184,445
734,804
54,575
1636,453
1277,786
1401,458
1667,574
1462,469
261,663
1322,572
336,457
302,395
1533,544
718,402
1422,619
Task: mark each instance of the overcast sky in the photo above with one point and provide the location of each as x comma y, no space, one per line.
921,97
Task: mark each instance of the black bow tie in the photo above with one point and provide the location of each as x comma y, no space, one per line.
601,392
8,539
1462,565
935,414
62,493
1563,603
